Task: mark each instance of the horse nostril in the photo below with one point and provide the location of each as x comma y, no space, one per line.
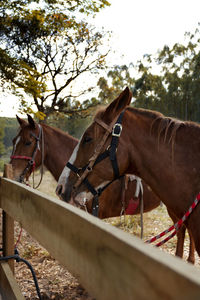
59,190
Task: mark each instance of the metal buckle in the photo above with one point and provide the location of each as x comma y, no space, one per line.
78,172
113,131
31,162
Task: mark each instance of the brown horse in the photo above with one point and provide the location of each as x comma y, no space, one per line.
52,147
162,151
52,151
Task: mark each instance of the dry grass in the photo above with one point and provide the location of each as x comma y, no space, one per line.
56,282
155,222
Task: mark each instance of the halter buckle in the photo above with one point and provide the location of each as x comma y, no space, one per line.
31,162
117,129
78,172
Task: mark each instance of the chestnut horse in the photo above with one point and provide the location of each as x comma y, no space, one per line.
52,147
162,151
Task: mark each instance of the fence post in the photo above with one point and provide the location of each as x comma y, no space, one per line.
8,225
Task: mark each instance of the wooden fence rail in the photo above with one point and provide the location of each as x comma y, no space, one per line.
110,264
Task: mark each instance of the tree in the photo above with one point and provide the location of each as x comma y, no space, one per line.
168,81
2,148
117,78
73,124
175,90
10,131
46,48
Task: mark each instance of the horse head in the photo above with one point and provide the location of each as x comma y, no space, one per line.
89,168
27,152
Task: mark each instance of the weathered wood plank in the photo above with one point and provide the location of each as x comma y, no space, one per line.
8,171
108,262
8,224
9,289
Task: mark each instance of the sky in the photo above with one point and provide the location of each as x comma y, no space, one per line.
144,26
138,27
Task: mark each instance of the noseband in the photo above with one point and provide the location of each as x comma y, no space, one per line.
31,160
115,129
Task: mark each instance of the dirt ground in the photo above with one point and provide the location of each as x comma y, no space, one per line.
56,282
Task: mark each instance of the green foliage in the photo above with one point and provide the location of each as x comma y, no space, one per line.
117,79
2,148
46,46
175,91
168,82
10,130
1,165
73,124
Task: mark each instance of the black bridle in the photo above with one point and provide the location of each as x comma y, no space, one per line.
31,160
109,152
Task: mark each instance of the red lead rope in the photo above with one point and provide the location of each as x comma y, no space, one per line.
176,226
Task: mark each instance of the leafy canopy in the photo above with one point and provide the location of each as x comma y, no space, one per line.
168,81
46,46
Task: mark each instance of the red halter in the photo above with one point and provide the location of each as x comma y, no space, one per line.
24,157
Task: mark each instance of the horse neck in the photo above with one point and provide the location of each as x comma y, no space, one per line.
58,147
163,167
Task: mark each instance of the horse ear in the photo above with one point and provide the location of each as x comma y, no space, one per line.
31,121
118,105
21,121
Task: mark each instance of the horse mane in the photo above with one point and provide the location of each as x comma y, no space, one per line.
165,127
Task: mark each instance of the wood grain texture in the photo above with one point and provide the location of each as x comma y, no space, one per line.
8,224
9,289
109,263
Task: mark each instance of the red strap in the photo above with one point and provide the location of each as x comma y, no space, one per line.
132,206
20,157
24,157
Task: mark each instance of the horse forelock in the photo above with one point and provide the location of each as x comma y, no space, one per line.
20,131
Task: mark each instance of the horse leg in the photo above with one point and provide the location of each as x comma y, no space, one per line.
180,241
191,257
180,235
195,230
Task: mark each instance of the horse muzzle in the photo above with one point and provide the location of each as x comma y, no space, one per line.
64,193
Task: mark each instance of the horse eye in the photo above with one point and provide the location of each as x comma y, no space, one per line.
87,139
28,143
